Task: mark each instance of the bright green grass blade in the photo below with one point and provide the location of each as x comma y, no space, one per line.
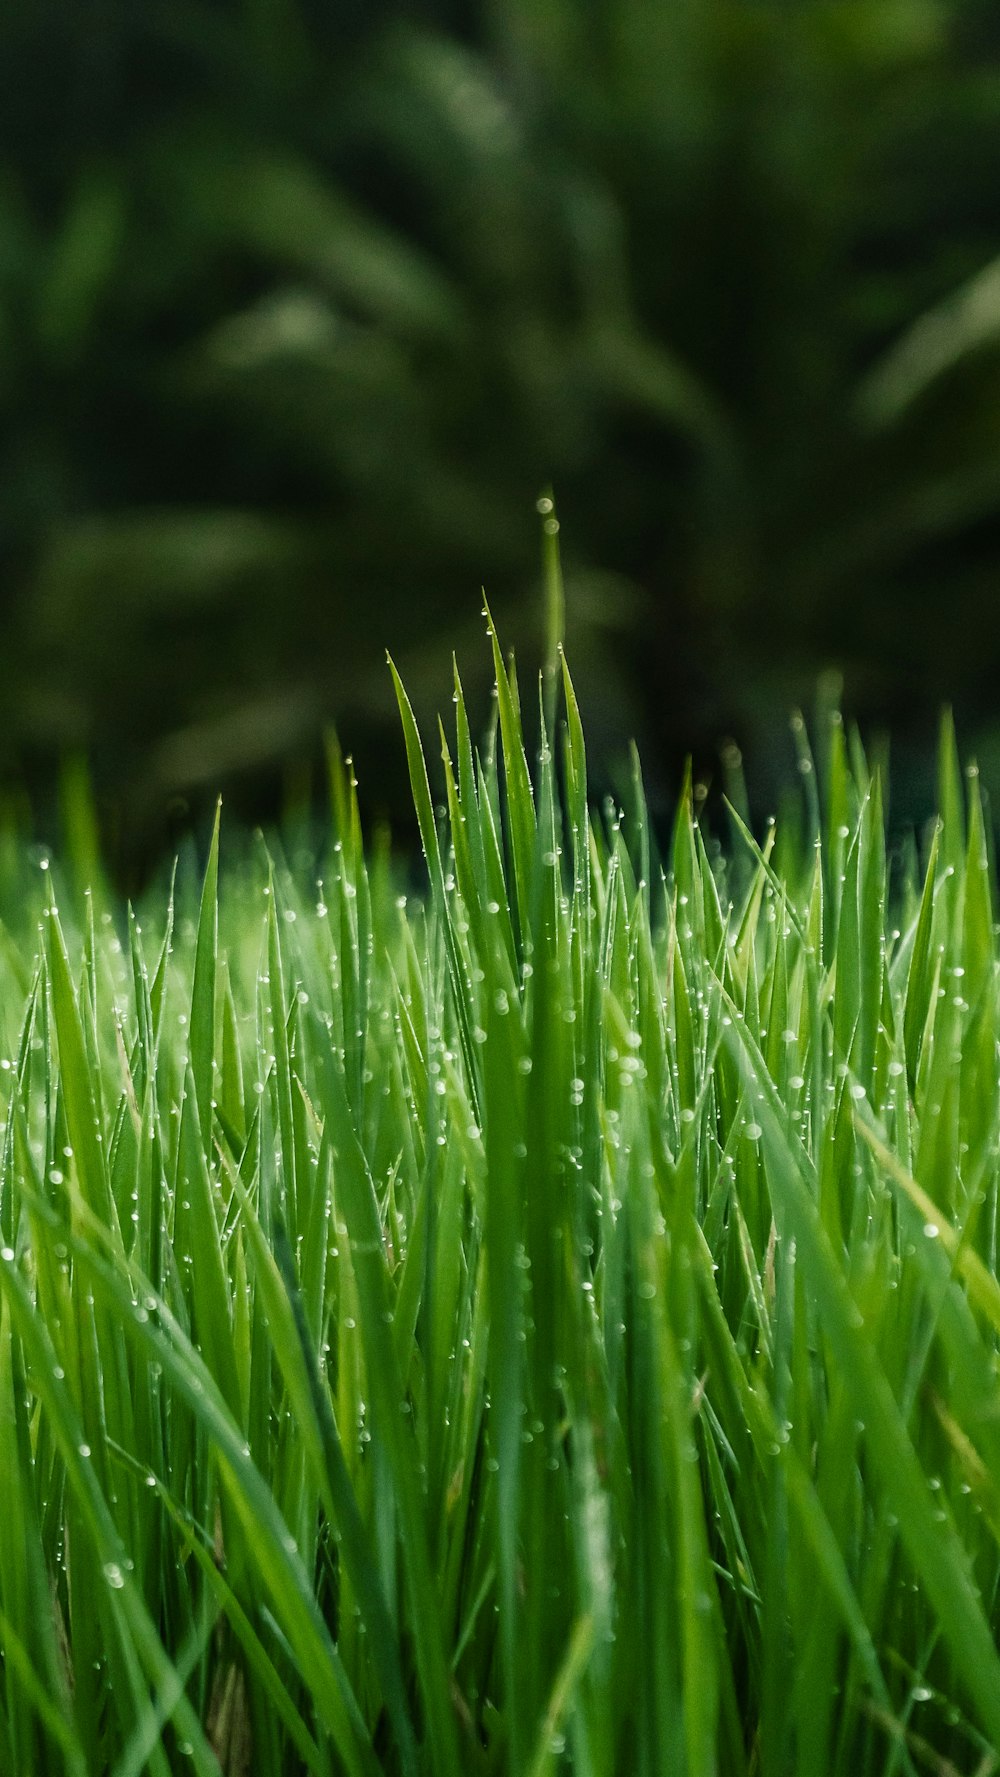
419,783
202,1030
576,778
125,1608
932,1543
555,606
274,1555
389,1417
201,1238
540,1352
318,1427
520,797
81,830
550,1742
281,1073
978,944
258,1660
950,798
76,1082
919,981
432,852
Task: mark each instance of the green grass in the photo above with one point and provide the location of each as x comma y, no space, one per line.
548,1324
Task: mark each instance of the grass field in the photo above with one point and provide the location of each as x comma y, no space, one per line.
547,1324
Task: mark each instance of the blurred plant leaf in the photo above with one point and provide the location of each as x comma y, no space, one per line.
966,323
83,259
280,207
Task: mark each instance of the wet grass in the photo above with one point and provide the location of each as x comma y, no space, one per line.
549,1325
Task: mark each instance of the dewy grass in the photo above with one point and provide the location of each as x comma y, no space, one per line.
549,1325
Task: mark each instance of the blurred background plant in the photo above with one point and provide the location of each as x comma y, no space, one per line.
301,308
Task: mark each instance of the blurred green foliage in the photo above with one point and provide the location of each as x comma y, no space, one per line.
302,306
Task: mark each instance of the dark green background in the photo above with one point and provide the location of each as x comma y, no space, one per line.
302,305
